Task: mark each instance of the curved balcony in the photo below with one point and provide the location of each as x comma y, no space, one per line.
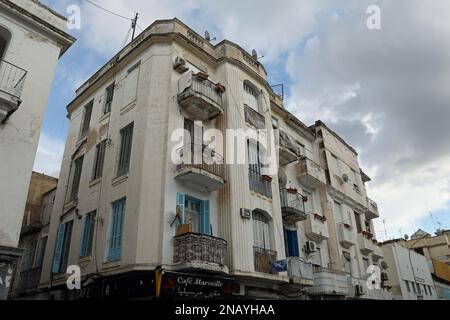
292,205
200,252
300,272
199,97
316,228
12,79
200,168
372,209
345,235
365,243
311,175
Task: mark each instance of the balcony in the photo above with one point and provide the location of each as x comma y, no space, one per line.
365,243
377,253
311,175
345,235
316,228
29,280
200,98
300,272
264,259
287,150
201,168
292,205
329,282
372,209
12,79
200,252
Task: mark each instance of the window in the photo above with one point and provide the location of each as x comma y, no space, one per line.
347,262
419,291
5,37
291,243
301,148
261,235
414,287
86,119
30,252
309,205
358,222
116,229
196,213
125,150
251,96
109,98
41,252
255,165
407,286
365,265
62,247
99,160
88,235
76,176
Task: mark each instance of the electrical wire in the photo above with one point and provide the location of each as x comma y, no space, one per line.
107,10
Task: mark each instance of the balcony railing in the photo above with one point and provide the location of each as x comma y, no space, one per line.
372,209
292,205
200,97
299,271
311,174
193,250
329,281
29,279
12,78
264,259
202,166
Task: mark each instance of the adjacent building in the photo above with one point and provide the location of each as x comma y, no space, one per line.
32,39
408,272
33,236
146,209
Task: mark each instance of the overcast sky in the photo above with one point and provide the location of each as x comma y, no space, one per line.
386,92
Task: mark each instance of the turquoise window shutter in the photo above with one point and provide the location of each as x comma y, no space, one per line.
205,218
180,203
58,248
115,239
84,240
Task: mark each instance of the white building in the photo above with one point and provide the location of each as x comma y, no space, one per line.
32,38
126,213
409,273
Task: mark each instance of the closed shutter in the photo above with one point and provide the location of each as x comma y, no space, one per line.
205,218
115,241
99,160
76,178
125,150
86,119
58,248
180,203
85,239
294,244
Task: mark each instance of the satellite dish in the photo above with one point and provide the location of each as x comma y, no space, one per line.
406,237
207,36
254,54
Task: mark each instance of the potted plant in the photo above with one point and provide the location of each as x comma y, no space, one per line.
220,88
184,229
304,198
319,217
202,76
347,226
292,190
267,178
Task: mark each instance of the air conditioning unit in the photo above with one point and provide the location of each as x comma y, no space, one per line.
359,290
180,65
310,246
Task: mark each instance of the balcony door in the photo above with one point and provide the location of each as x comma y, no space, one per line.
196,213
192,207
193,141
291,243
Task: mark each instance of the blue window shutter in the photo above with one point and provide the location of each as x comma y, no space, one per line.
294,244
180,202
115,238
58,248
85,239
120,230
205,218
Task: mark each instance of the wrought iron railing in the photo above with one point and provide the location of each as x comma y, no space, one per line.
292,199
201,157
264,259
194,247
29,279
12,78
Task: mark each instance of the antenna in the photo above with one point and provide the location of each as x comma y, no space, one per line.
385,230
208,36
134,25
432,219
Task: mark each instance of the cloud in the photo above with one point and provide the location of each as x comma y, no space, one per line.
49,155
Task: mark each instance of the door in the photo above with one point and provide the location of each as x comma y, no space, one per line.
192,209
291,243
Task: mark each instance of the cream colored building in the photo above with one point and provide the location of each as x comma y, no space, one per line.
32,39
124,210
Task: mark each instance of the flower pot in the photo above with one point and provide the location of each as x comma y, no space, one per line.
267,178
305,198
202,76
292,191
183,229
220,88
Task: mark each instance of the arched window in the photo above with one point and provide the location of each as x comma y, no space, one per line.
5,37
261,230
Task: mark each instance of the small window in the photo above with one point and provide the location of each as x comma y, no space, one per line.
358,222
109,98
125,150
407,286
99,160
86,119
88,235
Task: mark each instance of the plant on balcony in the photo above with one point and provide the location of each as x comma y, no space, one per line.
292,190
220,88
304,198
347,226
202,76
320,217
184,229
267,178
367,234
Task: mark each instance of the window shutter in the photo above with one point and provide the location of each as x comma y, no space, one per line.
180,203
84,242
294,244
58,248
205,218
286,241
115,242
